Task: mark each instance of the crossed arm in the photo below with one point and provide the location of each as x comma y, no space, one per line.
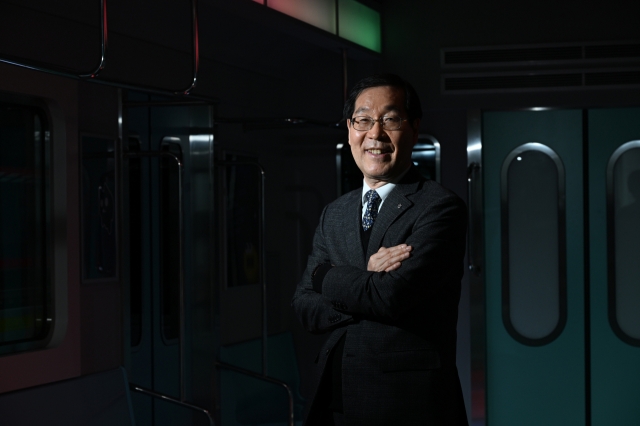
319,309
397,279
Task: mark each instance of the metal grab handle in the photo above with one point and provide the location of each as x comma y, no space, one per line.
261,257
105,39
172,400
67,73
196,48
265,378
473,236
182,357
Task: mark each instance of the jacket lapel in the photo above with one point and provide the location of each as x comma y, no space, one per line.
353,238
393,207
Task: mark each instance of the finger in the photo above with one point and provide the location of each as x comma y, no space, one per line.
397,255
386,258
393,267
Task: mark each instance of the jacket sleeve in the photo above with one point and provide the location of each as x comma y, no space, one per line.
314,311
438,241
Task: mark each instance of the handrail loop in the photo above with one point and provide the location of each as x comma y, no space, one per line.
196,49
61,71
104,43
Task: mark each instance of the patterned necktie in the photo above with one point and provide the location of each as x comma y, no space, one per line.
373,200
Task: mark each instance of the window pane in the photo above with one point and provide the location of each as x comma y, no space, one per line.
533,241
243,184
25,290
626,234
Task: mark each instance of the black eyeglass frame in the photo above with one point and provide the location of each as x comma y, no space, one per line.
352,120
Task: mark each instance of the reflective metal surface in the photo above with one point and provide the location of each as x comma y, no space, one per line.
104,42
265,378
196,48
475,256
428,144
167,398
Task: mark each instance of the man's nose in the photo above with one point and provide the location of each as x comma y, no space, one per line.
376,131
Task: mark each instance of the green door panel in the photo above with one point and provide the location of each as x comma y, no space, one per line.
615,363
540,382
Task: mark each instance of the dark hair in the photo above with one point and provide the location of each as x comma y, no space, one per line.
411,100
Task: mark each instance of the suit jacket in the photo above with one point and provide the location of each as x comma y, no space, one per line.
398,363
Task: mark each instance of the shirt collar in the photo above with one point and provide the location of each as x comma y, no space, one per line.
383,191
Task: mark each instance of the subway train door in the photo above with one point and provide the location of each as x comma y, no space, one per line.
614,232
562,322
169,178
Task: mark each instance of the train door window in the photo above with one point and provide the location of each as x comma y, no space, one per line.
623,194
26,283
170,240
242,182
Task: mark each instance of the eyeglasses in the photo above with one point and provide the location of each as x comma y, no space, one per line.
364,122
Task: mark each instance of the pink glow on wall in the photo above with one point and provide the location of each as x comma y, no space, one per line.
319,13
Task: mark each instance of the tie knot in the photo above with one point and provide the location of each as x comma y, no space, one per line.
372,196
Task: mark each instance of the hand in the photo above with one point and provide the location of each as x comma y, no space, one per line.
388,259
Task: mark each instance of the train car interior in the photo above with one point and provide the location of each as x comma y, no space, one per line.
163,166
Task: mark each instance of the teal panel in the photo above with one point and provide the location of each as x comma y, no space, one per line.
534,385
615,365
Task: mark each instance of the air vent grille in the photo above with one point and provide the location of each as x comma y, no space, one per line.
506,82
494,56
612,51
540,67
512,82
612,78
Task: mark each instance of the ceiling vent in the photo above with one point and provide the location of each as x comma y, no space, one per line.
540,67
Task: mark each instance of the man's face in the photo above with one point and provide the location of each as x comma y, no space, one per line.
382,155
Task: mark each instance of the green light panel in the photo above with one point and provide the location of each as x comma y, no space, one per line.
359,24
319,13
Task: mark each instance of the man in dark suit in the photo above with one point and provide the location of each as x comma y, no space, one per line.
384,277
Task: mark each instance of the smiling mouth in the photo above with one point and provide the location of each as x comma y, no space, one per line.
378,151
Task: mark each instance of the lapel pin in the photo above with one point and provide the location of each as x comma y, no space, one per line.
399,205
